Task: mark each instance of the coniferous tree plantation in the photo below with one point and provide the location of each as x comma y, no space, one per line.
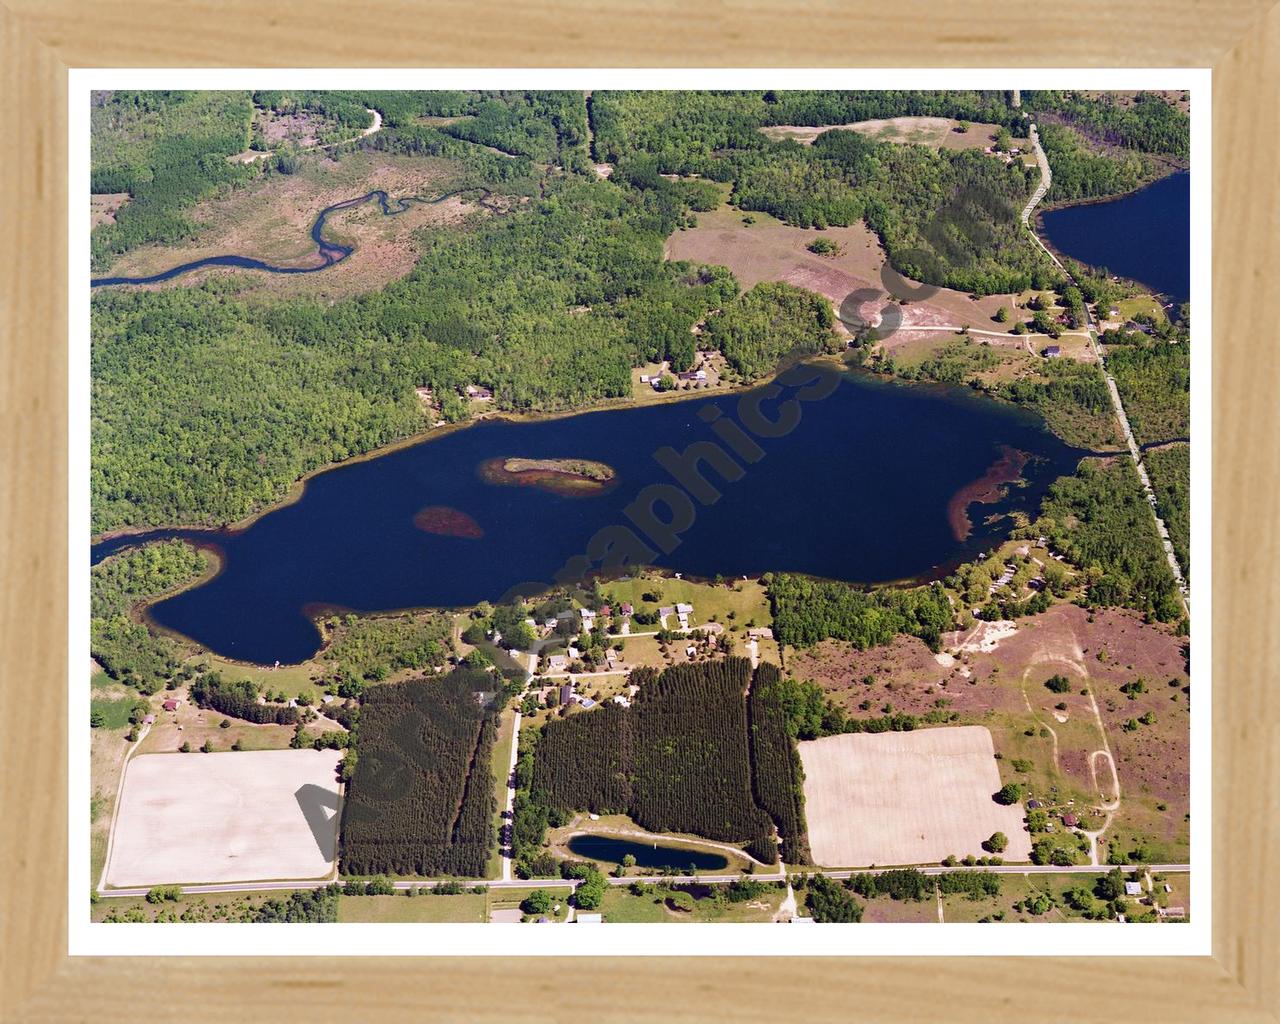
687,756
421,799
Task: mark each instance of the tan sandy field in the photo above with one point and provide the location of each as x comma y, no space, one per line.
905,797
226,817
938,132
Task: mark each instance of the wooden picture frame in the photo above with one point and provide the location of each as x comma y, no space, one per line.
41,39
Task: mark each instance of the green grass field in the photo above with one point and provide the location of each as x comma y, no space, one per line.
621,907
465,907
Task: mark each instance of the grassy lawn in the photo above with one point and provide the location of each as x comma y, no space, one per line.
115,712
465,907
621,906
293,680
739,602
509,899
1129,308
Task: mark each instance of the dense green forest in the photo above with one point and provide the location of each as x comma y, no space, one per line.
420,801
1101,521
1082,172
167,150
126,649
945,217
207,406
1149,124
1099,146
1170,472
1154,380
770,321
777,774
806,610
1073,399
682,758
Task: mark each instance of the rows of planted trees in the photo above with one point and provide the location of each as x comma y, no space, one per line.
683,758
420,800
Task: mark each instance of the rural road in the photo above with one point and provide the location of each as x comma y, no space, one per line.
533,883
1046,179
124,766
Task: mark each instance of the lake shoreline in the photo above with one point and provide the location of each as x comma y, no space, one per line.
433,433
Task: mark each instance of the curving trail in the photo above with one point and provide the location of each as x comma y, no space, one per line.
330,252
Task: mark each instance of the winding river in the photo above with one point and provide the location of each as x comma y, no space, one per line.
329,252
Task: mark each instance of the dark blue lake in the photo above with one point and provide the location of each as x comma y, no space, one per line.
860,488
1145,236
647,855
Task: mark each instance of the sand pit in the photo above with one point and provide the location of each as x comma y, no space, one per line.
905,798
226,817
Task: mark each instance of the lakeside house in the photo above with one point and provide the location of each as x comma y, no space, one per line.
478,393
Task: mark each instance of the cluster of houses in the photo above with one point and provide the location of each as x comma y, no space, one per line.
680,611
654,380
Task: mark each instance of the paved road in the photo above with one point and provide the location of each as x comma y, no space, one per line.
519,883
1045,180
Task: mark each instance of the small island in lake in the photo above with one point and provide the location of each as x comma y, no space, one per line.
447,522
571,477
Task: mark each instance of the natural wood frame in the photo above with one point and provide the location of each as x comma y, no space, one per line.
40,39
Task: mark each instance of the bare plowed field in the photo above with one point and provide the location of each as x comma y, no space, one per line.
905,797
228,817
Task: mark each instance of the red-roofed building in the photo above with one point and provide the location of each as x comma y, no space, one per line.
171,704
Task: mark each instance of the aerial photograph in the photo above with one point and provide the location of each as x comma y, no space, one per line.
646,506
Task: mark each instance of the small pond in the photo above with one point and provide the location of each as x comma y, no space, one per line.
647,855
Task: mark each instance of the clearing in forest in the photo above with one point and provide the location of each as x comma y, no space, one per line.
766,249
905,798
